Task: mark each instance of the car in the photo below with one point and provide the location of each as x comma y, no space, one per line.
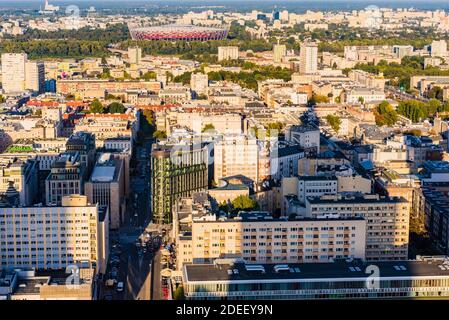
117,252
120,287
110,282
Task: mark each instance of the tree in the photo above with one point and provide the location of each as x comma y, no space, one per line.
183,78
111,97
414,132
159,135
208,127
385,114
432,107
334,122
244,203
116,107
106,73
224,206
179,293
96,106
436,93
361,100
318,98
412,109
150,75
147,123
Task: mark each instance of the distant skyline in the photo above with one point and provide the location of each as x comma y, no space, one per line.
246,5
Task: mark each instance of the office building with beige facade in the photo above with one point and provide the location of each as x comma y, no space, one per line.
76,232
106,187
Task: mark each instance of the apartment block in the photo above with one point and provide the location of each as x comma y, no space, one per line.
387,221
13,72
257,237
308,58
75,232
228,53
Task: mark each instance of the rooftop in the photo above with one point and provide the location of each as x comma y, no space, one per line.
355,199
307,271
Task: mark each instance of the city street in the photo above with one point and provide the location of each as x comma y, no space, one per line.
134,265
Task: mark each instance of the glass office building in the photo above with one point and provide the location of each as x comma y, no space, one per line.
176,171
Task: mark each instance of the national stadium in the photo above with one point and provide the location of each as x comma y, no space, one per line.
179,32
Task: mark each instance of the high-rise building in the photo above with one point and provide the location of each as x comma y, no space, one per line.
35,76
199,83
75,232
84,144
24,176
387,221
19,74
106,187
177,170
13,72
284,16
236,155
279,51
438,48
228,53
66,178
308,57
135,55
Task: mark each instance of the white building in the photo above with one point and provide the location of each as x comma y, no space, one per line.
20,74
35,76
308,57
306,136
54,237
199,83
367,94
236,155
316,186
279,51
438,48
135,55
228,53
13,72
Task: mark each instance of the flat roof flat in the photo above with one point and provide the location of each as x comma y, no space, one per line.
309,271
103,174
